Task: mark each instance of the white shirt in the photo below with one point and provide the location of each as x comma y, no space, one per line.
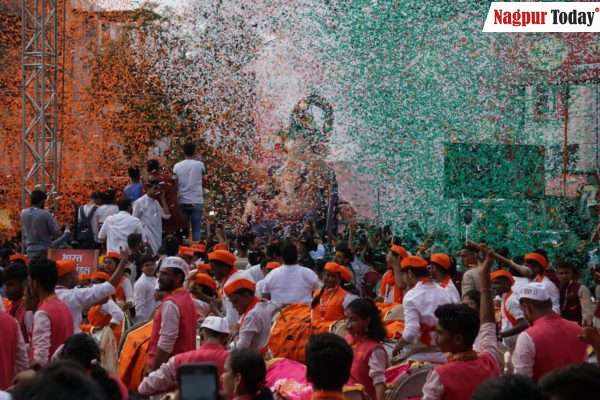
420,304
189,181
553,292
143,297
150,214
255,327
452,291
291,284
359,270
116,314
256,273
520,282
81,299
117,228
169,326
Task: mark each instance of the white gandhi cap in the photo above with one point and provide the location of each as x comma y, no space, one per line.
216,324
175,262
534,291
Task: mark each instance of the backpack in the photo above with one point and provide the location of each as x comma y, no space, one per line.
85,235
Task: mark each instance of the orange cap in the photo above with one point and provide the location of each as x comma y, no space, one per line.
413,262
538,258
222,255
205,279
239,284
399,250
65,267
221,246
113,254
441,259
85,277
100,276
345,273
186,251
271,265
502,274
19,256
203,267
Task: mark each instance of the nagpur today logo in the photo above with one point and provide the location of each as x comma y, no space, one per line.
526,17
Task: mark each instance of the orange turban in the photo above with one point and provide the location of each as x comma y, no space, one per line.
186,251
113,254
537,258
221,246
399,250
413,262
203,267
206,280
65,267
223,256
100,276
441,259
19,256
199,247
502,274
344,272
271,265
239,284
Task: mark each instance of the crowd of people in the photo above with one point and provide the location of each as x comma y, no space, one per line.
167,294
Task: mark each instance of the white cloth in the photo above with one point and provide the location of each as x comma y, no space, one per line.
127,289
40,338
420,304
452,292
256,273
487,343
117,228
169,326
22,356
317,254
202,309
143,297
359,269
523,358
552,290
377,366
189,181
291,284
255,327
520,283
116,314
150,214
514,308
81,299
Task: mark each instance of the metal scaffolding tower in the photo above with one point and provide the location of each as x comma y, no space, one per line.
39,67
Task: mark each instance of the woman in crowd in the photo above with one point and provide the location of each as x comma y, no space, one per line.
366,336
244,376
332,300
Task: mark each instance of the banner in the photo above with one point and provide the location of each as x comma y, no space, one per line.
87,260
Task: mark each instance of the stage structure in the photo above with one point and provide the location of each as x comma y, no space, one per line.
40,161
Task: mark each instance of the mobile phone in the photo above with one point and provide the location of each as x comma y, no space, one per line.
198,382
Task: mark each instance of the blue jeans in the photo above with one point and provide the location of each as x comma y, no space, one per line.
193,214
